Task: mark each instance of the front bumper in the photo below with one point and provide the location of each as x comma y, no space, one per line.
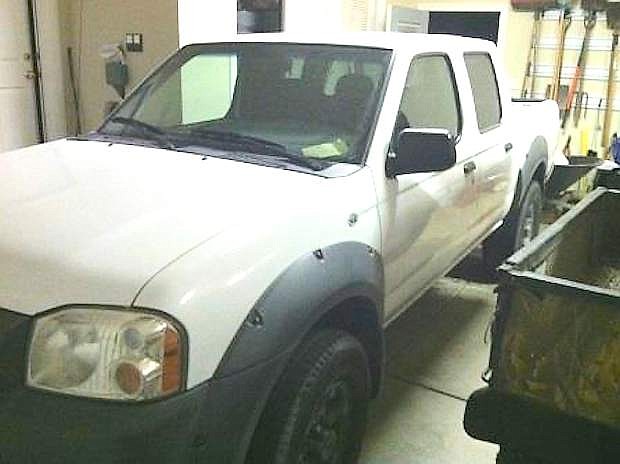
213,422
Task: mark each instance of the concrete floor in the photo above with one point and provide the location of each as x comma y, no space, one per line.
436,354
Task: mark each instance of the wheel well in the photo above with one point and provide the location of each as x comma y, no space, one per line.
535,167
358,316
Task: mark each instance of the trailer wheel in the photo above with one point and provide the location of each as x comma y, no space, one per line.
520,227
317,413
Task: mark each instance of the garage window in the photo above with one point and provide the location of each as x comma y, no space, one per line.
485,90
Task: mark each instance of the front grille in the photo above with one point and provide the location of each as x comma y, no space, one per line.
13,338
9,320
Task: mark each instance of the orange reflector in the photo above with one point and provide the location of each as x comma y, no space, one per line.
129,378
171,367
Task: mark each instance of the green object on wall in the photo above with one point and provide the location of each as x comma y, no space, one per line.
117,76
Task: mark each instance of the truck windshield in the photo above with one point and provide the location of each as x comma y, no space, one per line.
305,104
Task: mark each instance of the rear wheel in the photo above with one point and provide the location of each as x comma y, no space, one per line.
530,214
317,413
520,227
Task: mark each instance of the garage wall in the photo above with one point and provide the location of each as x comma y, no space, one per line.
89,24
200,21
315,16
596,74
514,29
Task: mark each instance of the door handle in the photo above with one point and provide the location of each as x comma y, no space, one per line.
469,167
508,147
30,75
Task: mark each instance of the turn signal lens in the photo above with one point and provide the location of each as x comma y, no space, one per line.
172,366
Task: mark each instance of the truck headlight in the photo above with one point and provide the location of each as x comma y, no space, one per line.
109,353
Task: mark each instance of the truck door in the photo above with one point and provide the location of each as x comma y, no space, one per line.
493,163
427,217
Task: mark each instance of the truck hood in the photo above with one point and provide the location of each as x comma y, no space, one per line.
90,222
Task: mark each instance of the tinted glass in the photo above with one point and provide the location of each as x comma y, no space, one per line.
318,101
485,90
430,99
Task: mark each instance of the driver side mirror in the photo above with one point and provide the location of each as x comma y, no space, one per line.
422,150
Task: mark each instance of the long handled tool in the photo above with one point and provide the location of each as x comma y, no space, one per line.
597,130
75,93
565,21
532,58
611,90
578,80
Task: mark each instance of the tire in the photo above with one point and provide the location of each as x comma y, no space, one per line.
530,214
507,456
511,456
317,412
521,226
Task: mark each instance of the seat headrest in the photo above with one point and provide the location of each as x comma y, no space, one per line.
354,86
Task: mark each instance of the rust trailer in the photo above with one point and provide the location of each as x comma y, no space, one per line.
554,371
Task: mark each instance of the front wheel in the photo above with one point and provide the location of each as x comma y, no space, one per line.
317,413
512,456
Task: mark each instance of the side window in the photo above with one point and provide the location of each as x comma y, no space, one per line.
485,90
430,99
201,90
207,87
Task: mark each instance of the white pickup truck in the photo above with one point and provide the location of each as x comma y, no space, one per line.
207,277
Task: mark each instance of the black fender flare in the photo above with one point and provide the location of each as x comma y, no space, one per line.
300,297
536,157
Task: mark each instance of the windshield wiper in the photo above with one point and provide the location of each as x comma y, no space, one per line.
153,132
310,163
267,147
234,137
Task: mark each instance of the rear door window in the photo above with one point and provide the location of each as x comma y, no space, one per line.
485,90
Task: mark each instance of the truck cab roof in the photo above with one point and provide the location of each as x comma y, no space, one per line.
396,41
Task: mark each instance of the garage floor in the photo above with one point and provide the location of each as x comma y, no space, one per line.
436,354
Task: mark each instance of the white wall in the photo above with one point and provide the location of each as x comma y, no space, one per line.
202,20
378,9
313,15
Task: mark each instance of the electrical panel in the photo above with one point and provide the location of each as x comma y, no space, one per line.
134,42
